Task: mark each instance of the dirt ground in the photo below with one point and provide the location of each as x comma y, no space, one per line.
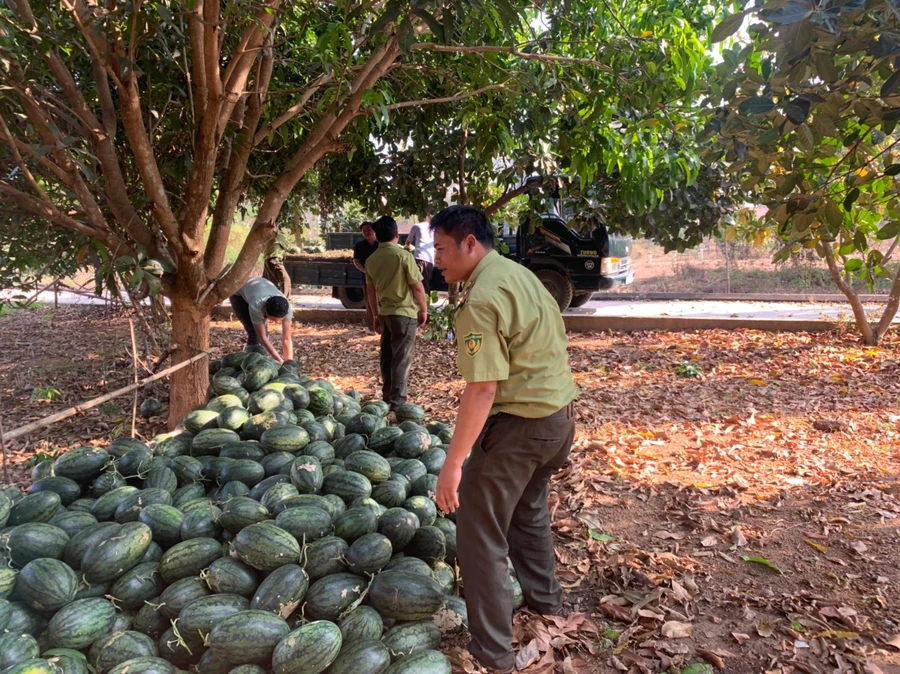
732,503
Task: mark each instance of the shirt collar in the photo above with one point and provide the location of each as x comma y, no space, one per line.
483,263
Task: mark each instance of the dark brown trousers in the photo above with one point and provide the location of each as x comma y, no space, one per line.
274,271
398,337
503,511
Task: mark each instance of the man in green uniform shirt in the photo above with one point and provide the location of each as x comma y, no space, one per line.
273,262
516,424
394,285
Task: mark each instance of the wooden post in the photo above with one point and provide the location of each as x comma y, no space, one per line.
72,411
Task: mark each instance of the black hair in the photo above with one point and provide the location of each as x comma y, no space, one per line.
460,221
385,228
366,223
277,306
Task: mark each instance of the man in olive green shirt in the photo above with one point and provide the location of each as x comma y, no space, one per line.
394,285
516,418
273,262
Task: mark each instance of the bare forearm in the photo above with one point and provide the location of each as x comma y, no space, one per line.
419,294
373,297
287,339
474,409
356,263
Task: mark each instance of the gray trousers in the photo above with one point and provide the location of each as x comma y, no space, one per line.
398,337
503,511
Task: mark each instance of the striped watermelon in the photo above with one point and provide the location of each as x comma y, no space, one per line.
80,623
308,650
265,546
248,637
282,591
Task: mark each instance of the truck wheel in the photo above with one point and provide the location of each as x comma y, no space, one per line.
351,298
559,286
580,299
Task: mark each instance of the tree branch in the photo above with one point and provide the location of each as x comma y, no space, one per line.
296,109
859,312
489,49
436,101
505,198
198,61
890,309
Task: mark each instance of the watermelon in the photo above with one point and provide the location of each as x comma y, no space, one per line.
120,446
181,593
306,474
248,637
116,554
405,596
518,593
80,623
201,522
135,462
259,373
187,469
425,486
328,597
286,438
433,459
265,546
150,619
228,491
355,522
377,407
66,661
209,441
325,557
282,591
347,485
188,558
305,523
160,477
412,444
43,469
399,526
321,450
37,507
445,576
67,490
303,417
200,420
232,418
179,650
73,522
46,584
370,464
449,529
35,540
298,396
230,576
7,584
130,508
317,431
429,544
16,647
265,400
391,493
82,505
370,656
409,564
199,617
113,649
273,463
173,444
363,424
23,618
351,442
225,401
369,553
85,540
278,493
144,665
451,617
241,512
136,586
222,384
164,521
320,401
423,662
408,638
33,666
81,464
308,650
424,508
409,412
247,669
361,623
411,469
249,449
247,471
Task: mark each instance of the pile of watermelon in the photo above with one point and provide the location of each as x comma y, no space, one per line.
286,528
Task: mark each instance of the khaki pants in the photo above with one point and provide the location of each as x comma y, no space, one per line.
398,337
503,511
274,271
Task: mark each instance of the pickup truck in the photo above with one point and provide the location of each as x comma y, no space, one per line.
567,263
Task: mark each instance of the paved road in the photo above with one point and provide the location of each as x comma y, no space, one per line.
616,314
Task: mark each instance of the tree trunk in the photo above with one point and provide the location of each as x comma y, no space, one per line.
190,336
869,335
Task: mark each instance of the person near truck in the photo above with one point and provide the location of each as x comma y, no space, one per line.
257,302
394,285
421,243
516,424
361,252
273,262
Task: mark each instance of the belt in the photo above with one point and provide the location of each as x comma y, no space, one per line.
568,411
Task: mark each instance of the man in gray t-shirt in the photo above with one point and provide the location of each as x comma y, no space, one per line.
257,301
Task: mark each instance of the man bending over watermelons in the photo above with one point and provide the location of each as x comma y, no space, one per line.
516,418
257,301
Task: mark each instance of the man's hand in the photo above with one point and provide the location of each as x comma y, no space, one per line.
447,488
422,317
377,327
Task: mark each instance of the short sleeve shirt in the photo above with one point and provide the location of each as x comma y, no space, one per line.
422,240
362,250
255,292
509,330
391,269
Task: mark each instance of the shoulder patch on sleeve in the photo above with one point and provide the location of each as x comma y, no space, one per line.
473,342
